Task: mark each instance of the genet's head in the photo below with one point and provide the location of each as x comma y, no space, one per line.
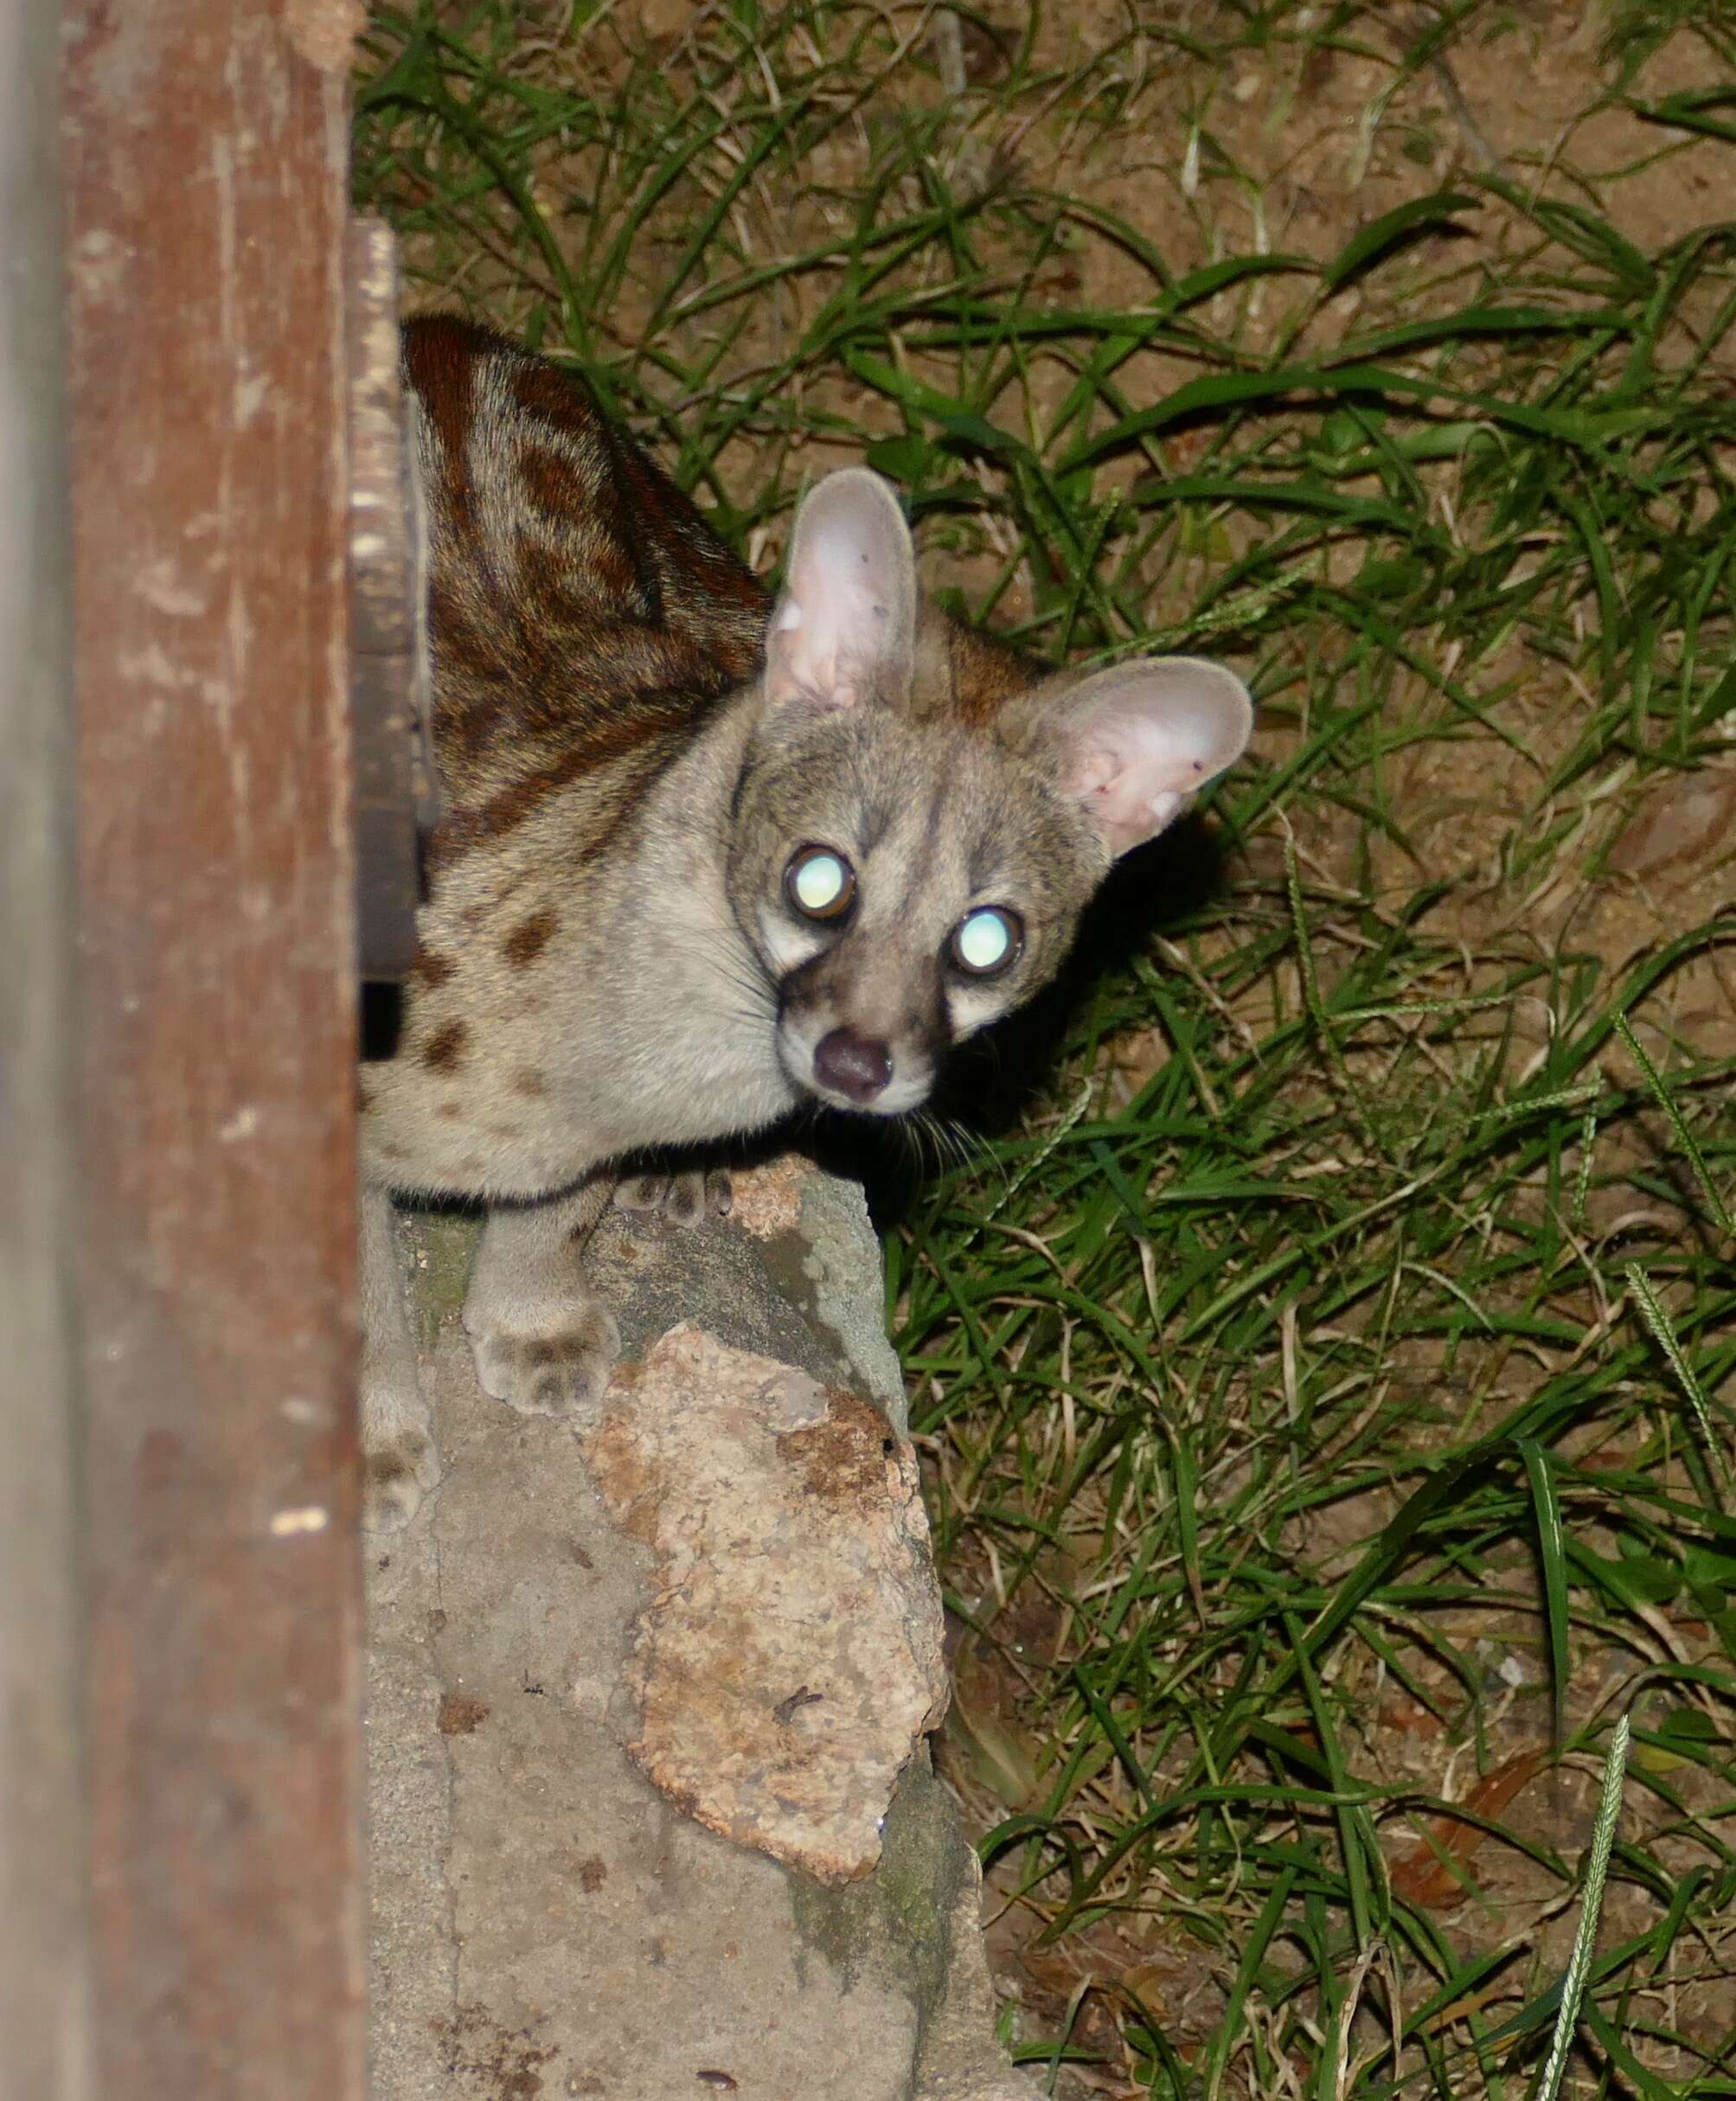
910,857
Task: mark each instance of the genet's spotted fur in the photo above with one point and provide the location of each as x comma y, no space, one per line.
703,857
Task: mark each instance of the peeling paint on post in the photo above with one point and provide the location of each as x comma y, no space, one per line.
206,163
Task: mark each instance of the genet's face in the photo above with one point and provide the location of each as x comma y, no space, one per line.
903,883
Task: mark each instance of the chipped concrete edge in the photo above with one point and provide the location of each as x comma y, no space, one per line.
843,1269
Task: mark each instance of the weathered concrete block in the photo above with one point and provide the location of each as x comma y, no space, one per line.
547,1921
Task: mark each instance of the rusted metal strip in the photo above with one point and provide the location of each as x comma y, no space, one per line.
396,802
206,162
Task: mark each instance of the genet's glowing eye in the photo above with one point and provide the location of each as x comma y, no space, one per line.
987,940
819,882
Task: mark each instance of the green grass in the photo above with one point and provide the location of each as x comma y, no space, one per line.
1349,1311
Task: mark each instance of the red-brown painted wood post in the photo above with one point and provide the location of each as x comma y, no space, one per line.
206,163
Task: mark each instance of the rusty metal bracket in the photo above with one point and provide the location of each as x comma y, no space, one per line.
397,794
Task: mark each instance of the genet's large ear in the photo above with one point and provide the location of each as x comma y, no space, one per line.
1138,740
845,630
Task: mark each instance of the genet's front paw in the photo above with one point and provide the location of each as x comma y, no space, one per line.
549,1366
396,1474
684,1198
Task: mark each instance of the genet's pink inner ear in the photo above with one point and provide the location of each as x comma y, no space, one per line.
844,629
1139,738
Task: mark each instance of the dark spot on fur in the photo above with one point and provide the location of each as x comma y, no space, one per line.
505,810
448,1109
389,1151
459,1713
467,669
383,1468
547,576
474,917
432,969
364,1100
530,1083
528,939
443,1051
438,352
548,481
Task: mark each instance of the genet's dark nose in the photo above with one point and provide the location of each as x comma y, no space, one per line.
853,1065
